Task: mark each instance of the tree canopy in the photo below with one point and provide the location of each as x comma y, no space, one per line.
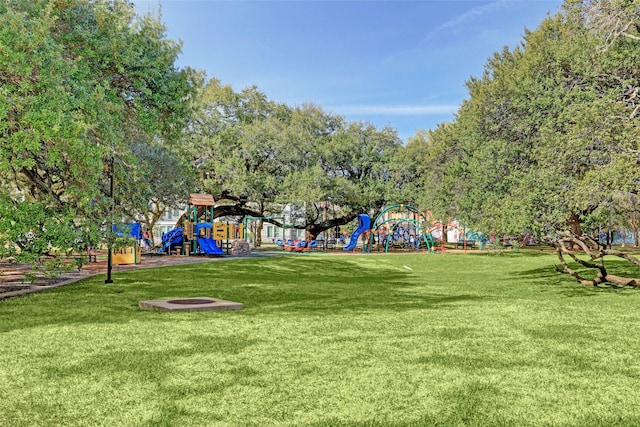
548,139
79,82
259,155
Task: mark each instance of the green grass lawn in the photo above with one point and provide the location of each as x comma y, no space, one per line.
382,340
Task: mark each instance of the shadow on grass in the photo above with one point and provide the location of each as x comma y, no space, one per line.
509,253
570,287
167,369
265,286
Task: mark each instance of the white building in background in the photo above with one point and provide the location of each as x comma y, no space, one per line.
166,222
271,233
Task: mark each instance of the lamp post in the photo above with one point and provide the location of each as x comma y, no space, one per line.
109,167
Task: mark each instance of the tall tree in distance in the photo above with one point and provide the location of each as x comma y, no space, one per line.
257,156
344,165
237,144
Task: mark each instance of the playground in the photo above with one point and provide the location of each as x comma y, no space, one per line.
198,232
402,227
198,237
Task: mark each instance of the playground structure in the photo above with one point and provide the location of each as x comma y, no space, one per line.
199,233
402,226
129,254
389,231
248,220
364,225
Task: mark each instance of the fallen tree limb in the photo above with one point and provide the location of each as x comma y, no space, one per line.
568,243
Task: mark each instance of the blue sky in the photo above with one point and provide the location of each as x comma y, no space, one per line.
397,63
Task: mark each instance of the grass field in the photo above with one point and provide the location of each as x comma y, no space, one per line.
382,340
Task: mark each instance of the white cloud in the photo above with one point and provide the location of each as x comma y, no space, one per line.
464,18
394,110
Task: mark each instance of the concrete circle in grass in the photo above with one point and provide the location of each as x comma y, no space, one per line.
191,301
190,304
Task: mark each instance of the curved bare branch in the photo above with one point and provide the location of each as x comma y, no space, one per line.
568,241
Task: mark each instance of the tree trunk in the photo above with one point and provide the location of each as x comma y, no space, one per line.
151,222
576,227
258,234
312,232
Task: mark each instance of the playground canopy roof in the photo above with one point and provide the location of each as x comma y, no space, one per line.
201,200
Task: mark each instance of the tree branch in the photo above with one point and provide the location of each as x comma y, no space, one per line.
620,254
596,252
566,270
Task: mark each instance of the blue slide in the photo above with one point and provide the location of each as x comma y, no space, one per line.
209,246
364,224
171,238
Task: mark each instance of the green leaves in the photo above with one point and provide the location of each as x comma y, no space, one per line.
544,139
265,155
80,80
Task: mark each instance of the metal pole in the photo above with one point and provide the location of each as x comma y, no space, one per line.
109,246
610,233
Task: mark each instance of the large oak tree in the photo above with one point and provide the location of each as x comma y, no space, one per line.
258,156
547,142
80,81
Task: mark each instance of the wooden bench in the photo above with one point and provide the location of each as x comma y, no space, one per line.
470,244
